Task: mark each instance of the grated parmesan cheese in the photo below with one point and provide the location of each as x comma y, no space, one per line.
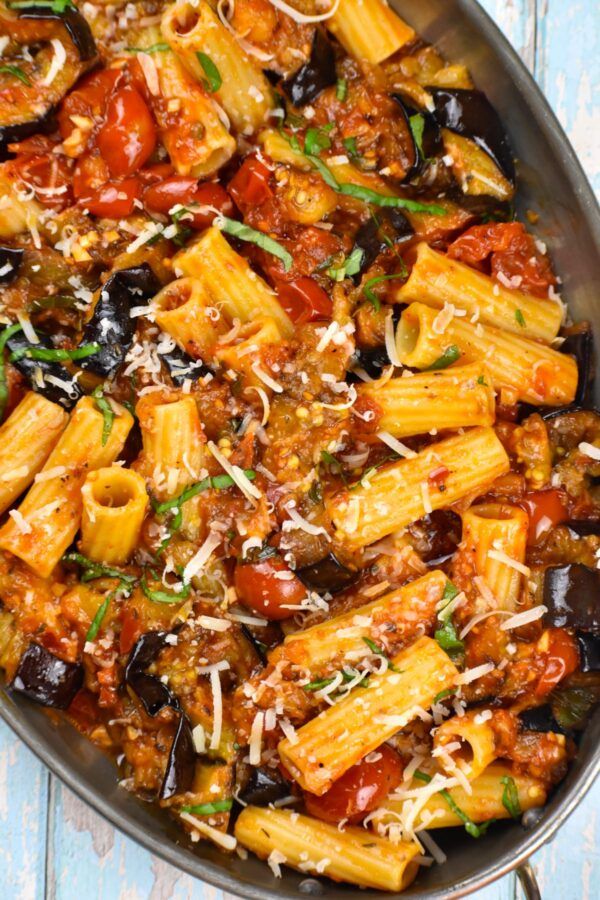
255,744
390,340
243,482
502,557
396,445
524,618
590,450
58,61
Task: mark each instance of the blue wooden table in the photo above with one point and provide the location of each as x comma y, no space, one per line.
53,846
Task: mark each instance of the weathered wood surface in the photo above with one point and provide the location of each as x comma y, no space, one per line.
53,846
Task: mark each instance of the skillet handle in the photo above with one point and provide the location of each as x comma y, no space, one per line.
526,876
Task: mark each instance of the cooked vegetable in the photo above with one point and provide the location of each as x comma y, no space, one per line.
589,652
373,361
260,586
539,718
50,379
574,701
179,774
470,113
111,325
10,263
383,230
425,134
305,85
45,678
181,366
77,27
13,132
328,575
571,595
264,786
151,691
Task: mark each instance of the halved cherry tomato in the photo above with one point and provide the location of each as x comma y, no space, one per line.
90,173
304,301
131,628
184,190
48,174
89,99
546,509
268,587
128,136
156,172
114,200
561,661
250,185
360,790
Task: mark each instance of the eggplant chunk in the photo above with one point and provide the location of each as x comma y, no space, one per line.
179,774
470,114
430,142
77,27
373,361
305,85
111,324
589,652
13,132
153,694
264,786
10,263
56,383
572,597
539,718
327,575
45,678
181,366
386,227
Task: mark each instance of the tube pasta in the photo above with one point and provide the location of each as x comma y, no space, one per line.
477,740
114,505
523,369
335,740
229,280
484,803
369,29
26,439
353,855
403,492
244,92
474,169
389,618
496,526
183,309
49,516
18,210
436,280
245,353
451,398
172,440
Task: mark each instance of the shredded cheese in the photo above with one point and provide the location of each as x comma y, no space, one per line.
301,18
590,450
201,557
396,445
266,378
390,339
250,491
524,618
502,557
227,841
58,61
470,675
215,684
255,744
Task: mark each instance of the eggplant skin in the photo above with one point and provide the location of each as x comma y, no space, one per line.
75,24
150,690
305,85
373,361
181,366
45,678
327,575
12,134
12,256
374,236
540,718
264,786
581,346
589,652
124,289
179,774
470,114
66,396
571,595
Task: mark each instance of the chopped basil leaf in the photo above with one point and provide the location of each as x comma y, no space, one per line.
417,126
245,233
350,145
510,797
45,354
350,266
213,76
317,685
324,171
520,318
317,139
368,196
99,617
94,570
108,414
4,336
57,6
208,809
164,596
471,828
443,695
481,380
448,639
449,356
217,482
370,284
374,648
450,592
16,72
154,48
341,89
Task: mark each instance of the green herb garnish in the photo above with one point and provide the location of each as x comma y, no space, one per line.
317,685
350,266
217,482
317,139
475,831
510,797
374,648
93,570
45,354
350,145
520,318
368,196
164,596
57,6
16,72
213,77
208,809
108,414
6,334
341,89
448,639
251,235
449,356
417,127
161,47
443,695
481,380
370,284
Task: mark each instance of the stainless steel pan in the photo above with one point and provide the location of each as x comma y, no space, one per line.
553,184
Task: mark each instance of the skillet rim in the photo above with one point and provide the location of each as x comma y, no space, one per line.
574,792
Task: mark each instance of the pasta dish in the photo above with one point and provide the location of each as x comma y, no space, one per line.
299,475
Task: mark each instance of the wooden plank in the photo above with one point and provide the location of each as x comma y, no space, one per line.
23,817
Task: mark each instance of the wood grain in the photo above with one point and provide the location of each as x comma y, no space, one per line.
53,846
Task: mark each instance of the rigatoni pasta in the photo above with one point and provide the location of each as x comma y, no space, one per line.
114,506
369,29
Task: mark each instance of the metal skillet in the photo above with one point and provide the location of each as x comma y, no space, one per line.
551,181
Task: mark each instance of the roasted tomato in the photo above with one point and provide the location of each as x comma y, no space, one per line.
360,790
546,510
269,587
304,301
185,191
513,254
114,200
90,173
43,170
562,659
128,136
88,101
250,185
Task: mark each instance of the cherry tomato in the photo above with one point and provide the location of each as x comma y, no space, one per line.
360,790
546,509
131,629
250,185
561,661
91,172
304,301
184,190
261,587
89,99
114,200
156,172
128,136
48,174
